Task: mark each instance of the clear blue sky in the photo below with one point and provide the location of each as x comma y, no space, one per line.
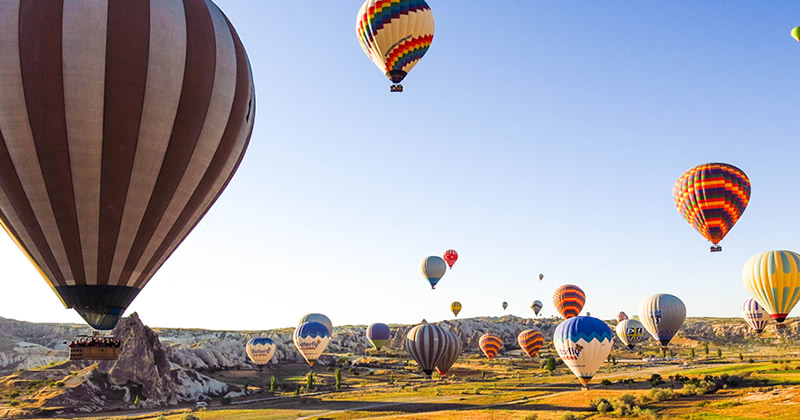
536,136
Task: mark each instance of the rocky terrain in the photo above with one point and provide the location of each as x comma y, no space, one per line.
169,366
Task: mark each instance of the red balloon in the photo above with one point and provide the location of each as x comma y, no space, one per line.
450,257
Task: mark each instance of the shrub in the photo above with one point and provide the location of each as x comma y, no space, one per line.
658,394
338,377
644,413
596,403
627,399
702,403
189,416
569,416
604,407
605,383
656,380
272,383
13,403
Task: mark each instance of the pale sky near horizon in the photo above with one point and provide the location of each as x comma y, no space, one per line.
538,137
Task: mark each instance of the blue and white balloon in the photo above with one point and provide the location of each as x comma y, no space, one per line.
260,350
311,339
583,343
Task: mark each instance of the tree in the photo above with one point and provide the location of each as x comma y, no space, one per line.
310,380
691,353
719,353
549,364
741,358
338,376
705,348
272,384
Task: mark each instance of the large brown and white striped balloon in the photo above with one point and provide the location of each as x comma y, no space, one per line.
427,344
121,122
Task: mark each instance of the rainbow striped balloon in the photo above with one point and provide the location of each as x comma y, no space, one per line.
530,341
568,300
395,34
712,197
490,345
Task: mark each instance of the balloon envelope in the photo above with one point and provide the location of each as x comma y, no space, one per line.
773,280
583,343
260,350
395,35
622,316
311,339
630,332
568,300
755,315
490,345
662,316
796,33
455,307
541,277
433,268
536,306
427,344
712,197
450,257
452,351
132,118
505,305
378,334
530,341
314,317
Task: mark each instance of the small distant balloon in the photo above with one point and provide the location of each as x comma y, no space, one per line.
536,306
455,307
490,345
260,350
505,305
541,276
530,341
450,257
433,268
622,316
378,334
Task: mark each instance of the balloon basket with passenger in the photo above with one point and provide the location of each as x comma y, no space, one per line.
94,347
716,248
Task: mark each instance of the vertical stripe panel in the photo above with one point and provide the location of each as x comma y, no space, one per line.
162,93
127,56
219,110
21,150
84,57
192,109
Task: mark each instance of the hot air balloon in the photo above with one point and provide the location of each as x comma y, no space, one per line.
395,35
583,343
568,300
505,305
536,306
773,279
796,33
530,341
541,276
311,339
260,350
662,316
490,345
450,257
427,344
755,315
630,332
132,119
455,307
378,334
712,197
622,316
452,351
314,317
433,268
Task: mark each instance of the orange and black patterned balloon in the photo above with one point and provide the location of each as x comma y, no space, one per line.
568,300
712,197
490,345
530,341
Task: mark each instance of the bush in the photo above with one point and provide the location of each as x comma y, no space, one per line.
596,403
702,403
569,416
604,407
13,403
628,399
658,394
644,413
189,416
656,380
605,383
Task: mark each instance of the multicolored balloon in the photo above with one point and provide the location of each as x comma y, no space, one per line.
378,334
773,279
433,268
450,257
505,305
311,339
630,332
260,350
796,33
622,316
755,315
314,317
427,344
490,345
395,35
568,300
455,307
536,306
583,343
662,316
531,341
712,197
452,351
121,123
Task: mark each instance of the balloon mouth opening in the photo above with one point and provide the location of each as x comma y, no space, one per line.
630,346
101,319
585,382
779,317
428,372
396,76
